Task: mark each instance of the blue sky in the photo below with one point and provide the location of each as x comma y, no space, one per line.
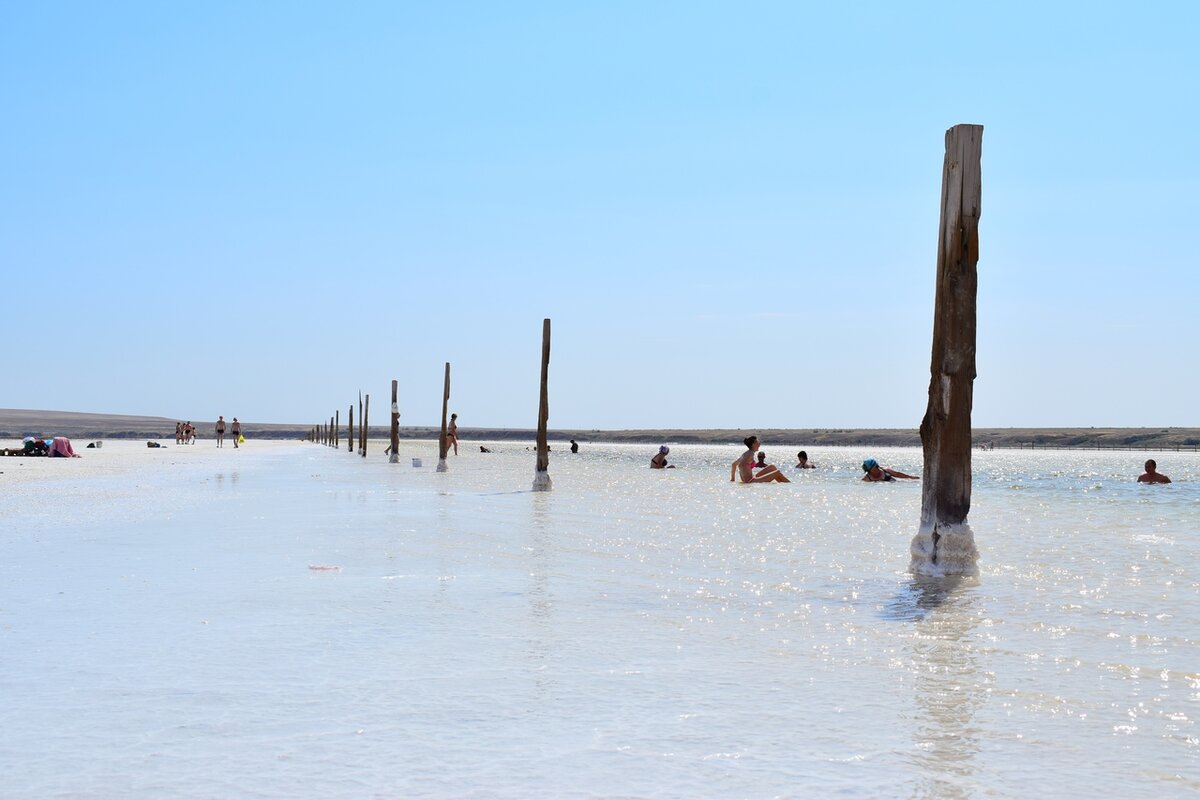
729,210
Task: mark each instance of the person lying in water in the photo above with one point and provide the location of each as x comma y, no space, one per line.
660,459
744,466
1152,475
874,472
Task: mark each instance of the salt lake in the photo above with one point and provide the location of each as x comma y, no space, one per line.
286,620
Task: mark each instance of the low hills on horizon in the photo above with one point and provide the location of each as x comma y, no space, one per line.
17,423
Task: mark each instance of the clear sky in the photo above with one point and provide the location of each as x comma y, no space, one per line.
729,210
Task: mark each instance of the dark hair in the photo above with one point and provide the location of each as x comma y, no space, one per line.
803,455
749,439
1152,463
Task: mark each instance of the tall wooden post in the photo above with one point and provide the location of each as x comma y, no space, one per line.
541,477
441,465
337,428
945,544
331,431
394,457
366,425
362,424
350,429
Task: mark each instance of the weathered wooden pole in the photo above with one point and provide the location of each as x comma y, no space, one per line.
394,443
350,429
441,467
945,544
362,424
541,477
365,424
332,432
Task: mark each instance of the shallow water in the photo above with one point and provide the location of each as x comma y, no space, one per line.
629,634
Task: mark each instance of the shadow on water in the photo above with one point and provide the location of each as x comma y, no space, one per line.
922,595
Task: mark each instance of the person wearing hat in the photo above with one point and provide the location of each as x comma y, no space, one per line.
873,472
660,459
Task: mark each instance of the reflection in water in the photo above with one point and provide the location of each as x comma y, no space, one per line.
541,600
947,685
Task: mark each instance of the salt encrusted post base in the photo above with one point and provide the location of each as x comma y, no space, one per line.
541,481
441,467
944,549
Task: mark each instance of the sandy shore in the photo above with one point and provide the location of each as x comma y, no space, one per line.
16,423
115,459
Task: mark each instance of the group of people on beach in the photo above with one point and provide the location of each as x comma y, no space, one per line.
235,430
185,432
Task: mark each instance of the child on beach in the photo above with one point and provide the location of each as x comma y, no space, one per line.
744,466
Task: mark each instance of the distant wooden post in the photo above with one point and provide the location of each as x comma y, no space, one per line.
362,424
330,433
945,544
366,425
394,457
541,477
350,429
441,465
337,428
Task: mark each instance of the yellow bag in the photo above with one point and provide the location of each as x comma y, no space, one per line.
241,439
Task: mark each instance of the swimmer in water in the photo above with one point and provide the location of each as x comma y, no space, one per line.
745,463
1152,475
803,462
873,472
660,459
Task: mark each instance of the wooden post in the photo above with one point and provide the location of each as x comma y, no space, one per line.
362,424
541,477
365,425
332,430
337,428
945,544
350,429
394,447
441,465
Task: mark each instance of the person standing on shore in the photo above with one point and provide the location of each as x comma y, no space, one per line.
1152,475
744,466
236,430
220,431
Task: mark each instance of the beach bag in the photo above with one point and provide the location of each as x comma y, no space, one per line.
241,439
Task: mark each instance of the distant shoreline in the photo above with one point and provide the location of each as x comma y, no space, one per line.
16,423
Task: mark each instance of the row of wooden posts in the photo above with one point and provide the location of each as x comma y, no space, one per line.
329,433
944,543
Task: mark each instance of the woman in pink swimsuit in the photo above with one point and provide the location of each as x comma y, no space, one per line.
744,466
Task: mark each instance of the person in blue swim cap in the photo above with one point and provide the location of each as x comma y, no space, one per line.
873,472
